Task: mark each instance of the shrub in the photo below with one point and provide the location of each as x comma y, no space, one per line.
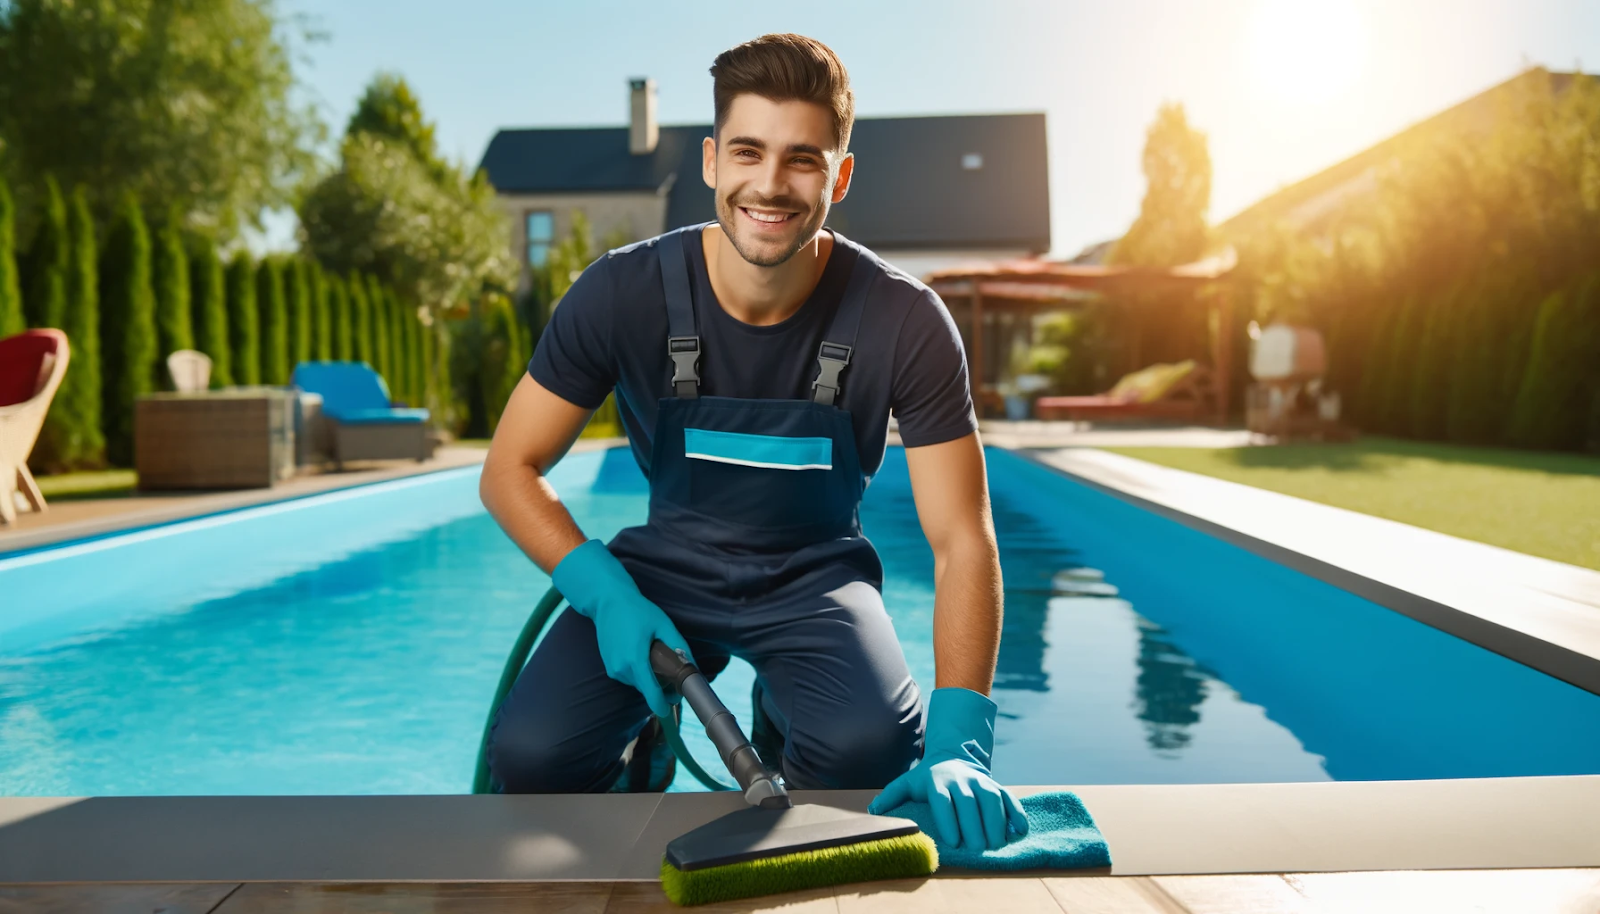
169,278
72,438
11,317
209,308
127,327
244,330
273,313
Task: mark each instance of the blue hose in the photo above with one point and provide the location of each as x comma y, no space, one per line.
546,607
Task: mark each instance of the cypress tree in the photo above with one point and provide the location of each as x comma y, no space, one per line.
1553,403
11,317
44,301
378,308
398,364
297,297
72,437
244,329
321,322
127,327
1375,368
344,346
1468,419
1430,388
209,308
169,277
274,317
360,318
1402,369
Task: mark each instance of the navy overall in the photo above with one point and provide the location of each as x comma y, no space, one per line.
753,548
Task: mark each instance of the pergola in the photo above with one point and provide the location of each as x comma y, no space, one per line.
1032,286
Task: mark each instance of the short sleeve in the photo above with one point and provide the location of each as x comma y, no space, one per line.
929,394
574,359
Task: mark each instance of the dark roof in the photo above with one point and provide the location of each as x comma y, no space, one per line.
910,188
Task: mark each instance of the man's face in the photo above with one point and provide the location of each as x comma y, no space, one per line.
776,170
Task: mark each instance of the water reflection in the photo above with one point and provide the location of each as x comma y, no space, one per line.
1169,690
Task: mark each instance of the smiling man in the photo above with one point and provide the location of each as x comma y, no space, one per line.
756,361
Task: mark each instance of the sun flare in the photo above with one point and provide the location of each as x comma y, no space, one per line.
1305,50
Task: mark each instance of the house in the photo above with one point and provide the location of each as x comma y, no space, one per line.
928,192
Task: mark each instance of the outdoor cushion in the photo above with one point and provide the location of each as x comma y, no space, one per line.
374,416
352,392
25,363
1164,380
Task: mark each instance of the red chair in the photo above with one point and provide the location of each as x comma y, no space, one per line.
32,364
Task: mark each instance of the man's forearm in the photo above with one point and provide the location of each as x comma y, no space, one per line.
527,508
967,611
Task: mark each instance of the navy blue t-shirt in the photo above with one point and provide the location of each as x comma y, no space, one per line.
610,332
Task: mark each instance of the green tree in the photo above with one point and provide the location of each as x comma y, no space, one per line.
378,308
127,327
273,313
297,298
72,438
339,311
389,109
188,105
395,208
45,302
209,307
169,276
321,316
244,327
1430,390
360,318
11,318
1171,226
1559,384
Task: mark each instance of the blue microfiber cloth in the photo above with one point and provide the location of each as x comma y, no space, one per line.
1061,835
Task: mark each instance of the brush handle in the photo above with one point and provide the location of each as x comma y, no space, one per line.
759,786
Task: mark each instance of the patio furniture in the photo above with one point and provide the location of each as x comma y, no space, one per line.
234,438
1288,399
366,424
32,364
190,370
1182,391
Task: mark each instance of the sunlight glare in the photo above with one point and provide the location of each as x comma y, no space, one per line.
1305,50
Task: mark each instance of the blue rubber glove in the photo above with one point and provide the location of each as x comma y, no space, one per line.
625,623
969,809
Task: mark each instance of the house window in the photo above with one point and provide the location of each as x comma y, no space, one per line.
541,234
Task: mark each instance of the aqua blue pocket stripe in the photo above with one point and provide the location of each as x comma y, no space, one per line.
769,451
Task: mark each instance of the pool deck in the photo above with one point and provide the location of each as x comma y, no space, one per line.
1508,844
1531,843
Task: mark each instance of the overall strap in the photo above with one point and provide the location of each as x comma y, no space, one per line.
833,356
683,344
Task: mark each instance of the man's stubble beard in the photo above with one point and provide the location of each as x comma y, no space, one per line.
727,218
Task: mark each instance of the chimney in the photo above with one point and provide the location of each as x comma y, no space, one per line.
642,128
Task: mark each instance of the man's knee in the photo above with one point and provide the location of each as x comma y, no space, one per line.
857,750
524,763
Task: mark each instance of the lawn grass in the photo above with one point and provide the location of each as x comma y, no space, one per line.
1544,504
89,484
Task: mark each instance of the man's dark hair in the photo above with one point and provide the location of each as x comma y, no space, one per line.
784,68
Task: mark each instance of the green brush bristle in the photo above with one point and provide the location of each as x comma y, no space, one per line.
888,858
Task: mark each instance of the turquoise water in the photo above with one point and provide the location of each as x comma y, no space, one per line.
349,643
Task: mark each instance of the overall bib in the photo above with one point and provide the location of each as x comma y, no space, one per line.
753,548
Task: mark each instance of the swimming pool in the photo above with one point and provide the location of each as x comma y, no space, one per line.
349,643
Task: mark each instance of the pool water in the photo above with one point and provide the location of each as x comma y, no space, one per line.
350,642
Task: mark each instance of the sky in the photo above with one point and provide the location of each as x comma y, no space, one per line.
1282,88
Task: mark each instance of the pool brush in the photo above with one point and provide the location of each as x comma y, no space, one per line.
773,845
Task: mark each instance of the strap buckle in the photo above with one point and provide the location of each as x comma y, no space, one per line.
685,353
832,359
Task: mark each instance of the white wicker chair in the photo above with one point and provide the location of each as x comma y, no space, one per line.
190,370
42,355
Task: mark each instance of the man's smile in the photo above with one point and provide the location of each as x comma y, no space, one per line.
767,218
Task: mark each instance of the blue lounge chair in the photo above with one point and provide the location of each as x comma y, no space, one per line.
366,425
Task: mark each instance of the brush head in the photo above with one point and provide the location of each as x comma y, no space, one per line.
898,857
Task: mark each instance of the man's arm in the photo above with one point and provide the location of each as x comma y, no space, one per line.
535,432
952,496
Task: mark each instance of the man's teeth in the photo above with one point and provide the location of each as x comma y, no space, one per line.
767,217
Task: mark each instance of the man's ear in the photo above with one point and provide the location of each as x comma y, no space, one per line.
841,185
708,162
